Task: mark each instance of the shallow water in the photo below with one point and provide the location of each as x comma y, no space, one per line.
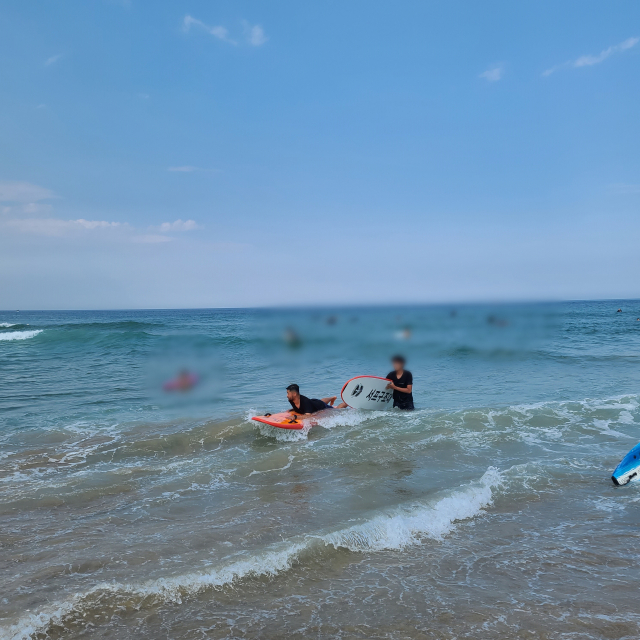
488,512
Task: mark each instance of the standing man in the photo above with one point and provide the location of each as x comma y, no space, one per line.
401,383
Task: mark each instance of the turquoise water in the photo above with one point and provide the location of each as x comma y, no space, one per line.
488,512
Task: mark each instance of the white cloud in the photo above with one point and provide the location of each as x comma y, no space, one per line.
589,60
188,168
24,197
96,224
34,207
255,35
19,198
24,192
184,169
218,31
179,225
57,227
493,74
52,60
586,61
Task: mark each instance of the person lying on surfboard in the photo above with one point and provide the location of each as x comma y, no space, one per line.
306,406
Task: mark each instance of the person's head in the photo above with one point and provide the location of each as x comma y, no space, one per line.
398,363
293,391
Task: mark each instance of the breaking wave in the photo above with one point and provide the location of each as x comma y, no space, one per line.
20,335
388,531
409,525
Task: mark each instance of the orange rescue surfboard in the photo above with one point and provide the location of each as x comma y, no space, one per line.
288,420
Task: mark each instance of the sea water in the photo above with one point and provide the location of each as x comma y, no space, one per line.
128,511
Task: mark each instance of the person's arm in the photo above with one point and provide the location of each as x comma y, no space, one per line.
406,389
294,410
401,389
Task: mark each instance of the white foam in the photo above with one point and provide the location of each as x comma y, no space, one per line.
603,427
346,418
625,417
4,325
20,335
271,562
409,525
283,435
394,530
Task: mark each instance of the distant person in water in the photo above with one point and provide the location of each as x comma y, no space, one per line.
401,383
291,337
305,406
183,382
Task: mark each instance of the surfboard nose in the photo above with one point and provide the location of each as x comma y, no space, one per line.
628,468
624,477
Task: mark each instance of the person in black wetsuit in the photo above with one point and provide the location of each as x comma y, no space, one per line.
401,383
306,406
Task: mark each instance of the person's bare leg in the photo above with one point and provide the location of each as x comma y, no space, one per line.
330,401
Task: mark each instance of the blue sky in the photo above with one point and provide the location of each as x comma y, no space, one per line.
205,154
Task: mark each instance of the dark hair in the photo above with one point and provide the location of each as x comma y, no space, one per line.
400,359
293,387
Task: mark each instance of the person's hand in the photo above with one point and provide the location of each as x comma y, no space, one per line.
391,386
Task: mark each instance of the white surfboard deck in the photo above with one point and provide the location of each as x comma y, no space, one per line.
368,392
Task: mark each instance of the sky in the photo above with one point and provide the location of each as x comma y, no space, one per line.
182,154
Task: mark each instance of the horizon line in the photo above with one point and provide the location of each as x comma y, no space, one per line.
284,307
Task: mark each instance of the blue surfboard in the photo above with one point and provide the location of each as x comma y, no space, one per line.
629,467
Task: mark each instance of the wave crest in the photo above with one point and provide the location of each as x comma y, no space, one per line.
20,335
393,530
409,525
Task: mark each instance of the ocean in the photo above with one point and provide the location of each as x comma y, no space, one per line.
488,512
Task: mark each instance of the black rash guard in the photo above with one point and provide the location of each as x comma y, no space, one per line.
400,399
308,405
